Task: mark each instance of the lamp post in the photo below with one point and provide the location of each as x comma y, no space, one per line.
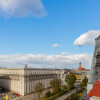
69,97
34,96
62,90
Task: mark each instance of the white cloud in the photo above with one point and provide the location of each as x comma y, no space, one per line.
20,8
46,61
87,38
56,45
64,54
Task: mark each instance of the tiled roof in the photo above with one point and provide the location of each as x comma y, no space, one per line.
96,89
97,83
80,69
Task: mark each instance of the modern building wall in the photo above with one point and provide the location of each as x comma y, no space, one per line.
95,67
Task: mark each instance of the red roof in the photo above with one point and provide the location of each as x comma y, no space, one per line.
80,69
88,70
97,83
96,89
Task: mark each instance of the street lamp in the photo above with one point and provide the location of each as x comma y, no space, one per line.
34,96
62,90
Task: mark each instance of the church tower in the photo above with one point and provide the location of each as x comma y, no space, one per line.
80,65
95,67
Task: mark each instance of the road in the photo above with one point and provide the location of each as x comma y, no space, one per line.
84,96
66,95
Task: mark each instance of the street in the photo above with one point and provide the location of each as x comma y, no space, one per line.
84,96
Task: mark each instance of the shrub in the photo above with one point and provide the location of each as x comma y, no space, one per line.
73,96
53,97
56,89
64,87
48,94
60,93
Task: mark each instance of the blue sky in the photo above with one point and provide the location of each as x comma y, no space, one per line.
62,22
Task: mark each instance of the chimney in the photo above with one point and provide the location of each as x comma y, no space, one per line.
25,65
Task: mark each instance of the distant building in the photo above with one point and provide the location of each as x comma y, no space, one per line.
23,80
81,75
84,72
80,68
78,77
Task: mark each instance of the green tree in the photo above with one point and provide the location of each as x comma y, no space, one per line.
64,87
52,83
38,89
70,79
84,82
56,89
55,82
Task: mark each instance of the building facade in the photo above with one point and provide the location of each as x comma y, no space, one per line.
23,80
78,77
95,68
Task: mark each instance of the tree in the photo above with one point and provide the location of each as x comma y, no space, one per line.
56,89
52,83
64,87
38,88
70,79
84,82
55,82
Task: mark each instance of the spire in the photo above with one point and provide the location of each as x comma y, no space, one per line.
80,65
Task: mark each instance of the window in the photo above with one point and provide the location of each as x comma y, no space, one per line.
97,73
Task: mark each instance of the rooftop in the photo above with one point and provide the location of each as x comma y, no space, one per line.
96,89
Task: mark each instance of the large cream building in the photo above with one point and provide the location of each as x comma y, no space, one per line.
23,80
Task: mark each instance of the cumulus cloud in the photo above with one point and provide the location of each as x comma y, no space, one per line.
20,8
56,45
64,60
87,38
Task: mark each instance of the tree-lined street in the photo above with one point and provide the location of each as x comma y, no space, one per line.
66,95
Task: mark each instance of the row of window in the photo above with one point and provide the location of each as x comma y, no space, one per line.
39,77
30,73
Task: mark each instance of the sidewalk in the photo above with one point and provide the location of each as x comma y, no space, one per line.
31,96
